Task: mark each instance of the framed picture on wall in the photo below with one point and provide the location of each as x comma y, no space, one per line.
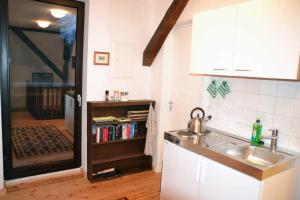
101,58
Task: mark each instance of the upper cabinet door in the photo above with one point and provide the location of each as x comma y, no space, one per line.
268,39
213,41
248,47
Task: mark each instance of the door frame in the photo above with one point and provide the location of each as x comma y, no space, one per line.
9,171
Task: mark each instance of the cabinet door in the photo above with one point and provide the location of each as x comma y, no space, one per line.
180,174
213,41
220,182
268,39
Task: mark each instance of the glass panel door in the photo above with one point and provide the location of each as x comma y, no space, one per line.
42,71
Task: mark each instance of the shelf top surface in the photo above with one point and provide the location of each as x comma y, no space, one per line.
120,103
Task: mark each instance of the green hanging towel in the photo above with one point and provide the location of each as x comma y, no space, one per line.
224,89
212,89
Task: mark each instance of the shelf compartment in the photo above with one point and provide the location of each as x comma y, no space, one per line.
113,149
117,158
125,164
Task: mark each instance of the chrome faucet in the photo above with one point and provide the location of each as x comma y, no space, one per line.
273,138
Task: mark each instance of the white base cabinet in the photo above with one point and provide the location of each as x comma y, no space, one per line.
189,176
181,171
221,182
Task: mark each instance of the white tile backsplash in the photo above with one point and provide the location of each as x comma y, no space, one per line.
252,86
295,127
237,85
296,108
238,99
284,106
283,123
251,101
268,88
266,104
284,141
276,103
294,144
286,89
298,91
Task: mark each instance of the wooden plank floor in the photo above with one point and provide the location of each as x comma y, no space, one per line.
140,186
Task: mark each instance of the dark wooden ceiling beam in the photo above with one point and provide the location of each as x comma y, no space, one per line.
38,52
163,30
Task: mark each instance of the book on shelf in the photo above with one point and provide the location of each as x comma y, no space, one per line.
105,133
123,119
138,111
104,119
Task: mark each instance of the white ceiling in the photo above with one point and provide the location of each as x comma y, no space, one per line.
24,13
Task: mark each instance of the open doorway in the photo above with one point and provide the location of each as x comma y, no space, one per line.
41,95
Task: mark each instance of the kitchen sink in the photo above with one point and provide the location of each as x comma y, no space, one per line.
257,155
258,161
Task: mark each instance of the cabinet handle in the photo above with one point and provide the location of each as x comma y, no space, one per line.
243,70
219,69
203,171
198,171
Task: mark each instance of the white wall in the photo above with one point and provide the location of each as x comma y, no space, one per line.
109,22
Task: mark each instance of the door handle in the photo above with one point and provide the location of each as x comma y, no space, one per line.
79,99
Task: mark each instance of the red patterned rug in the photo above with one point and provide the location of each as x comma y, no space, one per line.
39,140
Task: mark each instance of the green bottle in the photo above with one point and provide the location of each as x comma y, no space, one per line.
256,132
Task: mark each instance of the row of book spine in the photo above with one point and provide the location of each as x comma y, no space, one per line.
105,133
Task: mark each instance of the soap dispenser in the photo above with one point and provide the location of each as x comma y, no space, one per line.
256,132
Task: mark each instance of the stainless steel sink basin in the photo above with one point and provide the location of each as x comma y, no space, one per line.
256,155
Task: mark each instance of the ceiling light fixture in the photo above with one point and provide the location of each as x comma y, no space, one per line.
58,13
43,24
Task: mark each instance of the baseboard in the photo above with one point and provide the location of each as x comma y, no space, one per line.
44,179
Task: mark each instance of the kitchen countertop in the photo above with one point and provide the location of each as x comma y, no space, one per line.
214,146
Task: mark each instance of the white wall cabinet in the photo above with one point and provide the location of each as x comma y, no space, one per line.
213,41
189,176
266,40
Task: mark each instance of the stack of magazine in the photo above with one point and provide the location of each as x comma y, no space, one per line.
139,115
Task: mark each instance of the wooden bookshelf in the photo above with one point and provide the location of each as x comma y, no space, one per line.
127,155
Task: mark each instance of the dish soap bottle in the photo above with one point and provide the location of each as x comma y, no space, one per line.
256,132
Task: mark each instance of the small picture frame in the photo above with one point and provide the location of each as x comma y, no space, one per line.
101,58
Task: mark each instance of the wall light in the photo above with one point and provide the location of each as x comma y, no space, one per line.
58,13
42,23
